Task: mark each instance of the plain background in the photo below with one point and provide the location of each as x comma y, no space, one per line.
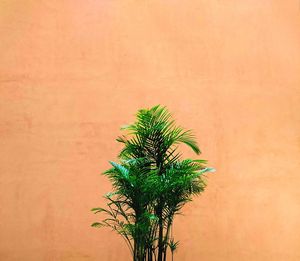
72,72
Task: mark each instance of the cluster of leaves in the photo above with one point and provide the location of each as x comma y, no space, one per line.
151,184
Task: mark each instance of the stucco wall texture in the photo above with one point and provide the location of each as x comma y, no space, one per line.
72,72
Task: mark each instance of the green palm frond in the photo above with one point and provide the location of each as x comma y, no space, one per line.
173,245
154,133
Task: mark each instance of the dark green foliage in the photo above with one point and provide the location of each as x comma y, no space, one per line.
151,184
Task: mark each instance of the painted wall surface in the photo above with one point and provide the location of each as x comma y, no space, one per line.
72,72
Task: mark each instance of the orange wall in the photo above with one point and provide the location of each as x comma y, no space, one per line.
72,72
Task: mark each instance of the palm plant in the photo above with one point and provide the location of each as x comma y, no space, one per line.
151,184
